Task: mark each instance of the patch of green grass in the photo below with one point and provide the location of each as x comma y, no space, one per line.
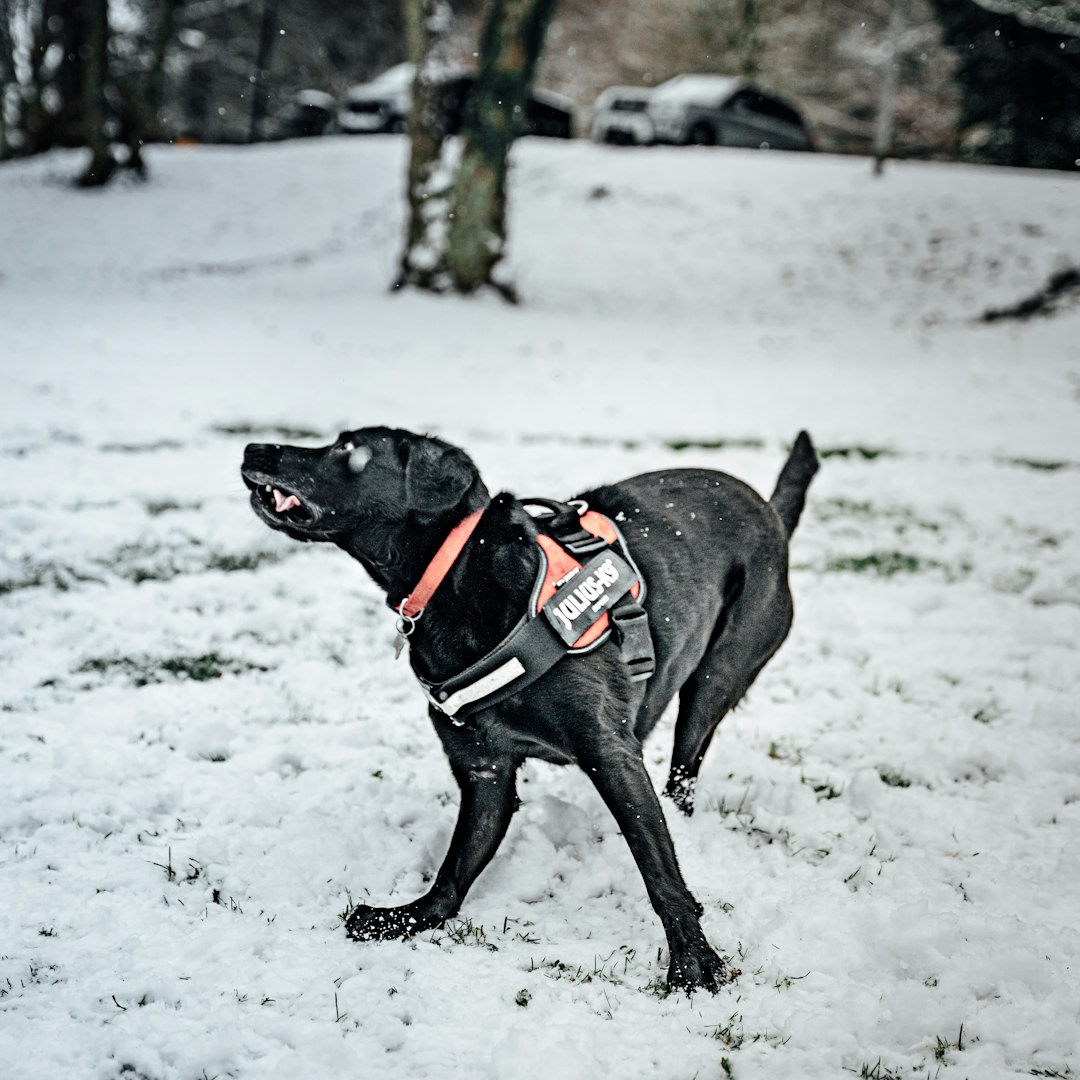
144,671
714,444
462,932
943,1046
608,969
1037,464
831,509
157,507
988,713
138,563
159,564
744,822
141,448
46,575
902,518
281,431
881,563
875,1072
890,563
822,788
863,453
893,779
732,1035
231,562
780,751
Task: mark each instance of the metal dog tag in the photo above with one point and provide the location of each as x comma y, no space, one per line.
406,624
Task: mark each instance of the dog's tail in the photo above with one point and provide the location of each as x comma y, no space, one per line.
790,495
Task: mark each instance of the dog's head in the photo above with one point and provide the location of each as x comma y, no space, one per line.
374,492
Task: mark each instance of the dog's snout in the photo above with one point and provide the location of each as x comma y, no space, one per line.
262,457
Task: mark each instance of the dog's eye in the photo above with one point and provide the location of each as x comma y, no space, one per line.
359,456
347,447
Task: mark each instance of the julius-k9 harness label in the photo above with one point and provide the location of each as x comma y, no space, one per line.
590,592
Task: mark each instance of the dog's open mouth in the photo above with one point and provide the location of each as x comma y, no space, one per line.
280,503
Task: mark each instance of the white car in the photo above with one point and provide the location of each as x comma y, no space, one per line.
620,116
384,104
380,105
724,110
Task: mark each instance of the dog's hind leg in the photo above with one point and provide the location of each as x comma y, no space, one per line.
751,627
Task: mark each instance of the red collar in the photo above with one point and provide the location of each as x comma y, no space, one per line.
413,604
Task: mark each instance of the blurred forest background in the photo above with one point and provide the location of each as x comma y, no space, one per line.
991,81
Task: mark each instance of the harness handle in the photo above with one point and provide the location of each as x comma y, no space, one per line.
563,523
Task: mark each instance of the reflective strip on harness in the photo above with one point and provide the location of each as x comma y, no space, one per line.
487,684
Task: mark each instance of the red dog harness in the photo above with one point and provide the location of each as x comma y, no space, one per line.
574,607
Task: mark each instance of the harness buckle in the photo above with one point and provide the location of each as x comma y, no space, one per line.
581,542
630,622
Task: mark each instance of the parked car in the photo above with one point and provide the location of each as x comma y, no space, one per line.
384,103
620,116
307,113
380,105
722,110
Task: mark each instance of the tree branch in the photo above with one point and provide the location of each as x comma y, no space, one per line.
1052,18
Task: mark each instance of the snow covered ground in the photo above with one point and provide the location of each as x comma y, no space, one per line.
207,750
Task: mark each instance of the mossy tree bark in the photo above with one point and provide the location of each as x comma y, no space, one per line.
95,76
423,262
155,80
886,117
260,80
457,231
510,48
8,79
1019,73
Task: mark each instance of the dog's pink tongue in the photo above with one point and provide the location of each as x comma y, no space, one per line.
284,502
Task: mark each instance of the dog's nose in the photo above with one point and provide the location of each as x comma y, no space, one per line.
262,457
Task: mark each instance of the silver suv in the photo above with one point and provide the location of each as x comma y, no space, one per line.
723,110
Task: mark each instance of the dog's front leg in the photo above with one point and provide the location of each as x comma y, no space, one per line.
488,801
614,764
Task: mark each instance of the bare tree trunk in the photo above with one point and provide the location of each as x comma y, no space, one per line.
427,24
95,75
38,127
457,218
139,110
883,135
749,39
155,80
262,69
510,48
8,78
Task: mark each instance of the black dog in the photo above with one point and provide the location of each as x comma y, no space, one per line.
714,557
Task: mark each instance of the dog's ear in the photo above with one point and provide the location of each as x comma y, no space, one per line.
436,477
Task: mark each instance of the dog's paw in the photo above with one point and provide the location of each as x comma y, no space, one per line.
681,792
386,924
701,970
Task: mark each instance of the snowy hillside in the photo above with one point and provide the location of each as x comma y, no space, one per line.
207,750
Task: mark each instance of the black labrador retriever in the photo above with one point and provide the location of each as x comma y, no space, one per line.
714,556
